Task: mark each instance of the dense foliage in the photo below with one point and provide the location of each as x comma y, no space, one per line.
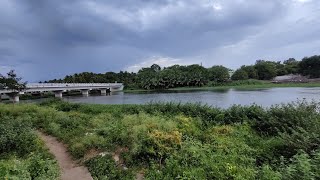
266,70
129,79
11,81
310,66
240,74
178,141
174,76
155,77
22,153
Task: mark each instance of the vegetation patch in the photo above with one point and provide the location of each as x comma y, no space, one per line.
166,141
179,76
22,153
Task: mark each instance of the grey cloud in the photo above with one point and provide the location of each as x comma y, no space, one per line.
49,39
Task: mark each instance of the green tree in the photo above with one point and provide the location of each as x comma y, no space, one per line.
196,75
251,71
266,69
291,66
156,67
12,82
310,66
2,81
240,74
128,79
147,78
281,68
218,73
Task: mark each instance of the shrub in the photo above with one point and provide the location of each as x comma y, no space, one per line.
14,169
316,164
36,166
287,117
16,136
267,173
299,168
104,167
42,167
196,160
166,140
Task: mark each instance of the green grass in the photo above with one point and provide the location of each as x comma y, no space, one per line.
172,141
136,90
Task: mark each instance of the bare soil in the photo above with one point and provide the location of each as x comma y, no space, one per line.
70,170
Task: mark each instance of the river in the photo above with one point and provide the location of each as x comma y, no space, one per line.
216,98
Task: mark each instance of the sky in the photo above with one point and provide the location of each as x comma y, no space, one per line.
47,39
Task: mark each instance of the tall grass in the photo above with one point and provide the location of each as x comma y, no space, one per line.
186,141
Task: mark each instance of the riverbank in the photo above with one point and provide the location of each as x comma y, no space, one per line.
235,85
253,86
137,90
168,140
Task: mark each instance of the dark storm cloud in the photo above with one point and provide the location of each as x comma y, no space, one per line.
48,39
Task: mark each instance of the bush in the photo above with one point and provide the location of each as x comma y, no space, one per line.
14,169
36,166
104,167
16,136
299,168
267,173
196,160
22,153
42,167
316,164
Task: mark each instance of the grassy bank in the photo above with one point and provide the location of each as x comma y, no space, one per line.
246,84
136,90
261,85
175,141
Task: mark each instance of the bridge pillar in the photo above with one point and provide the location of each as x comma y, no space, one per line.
103,92
85,92
58,94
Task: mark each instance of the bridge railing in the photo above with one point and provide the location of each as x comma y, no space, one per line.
64,86
46,85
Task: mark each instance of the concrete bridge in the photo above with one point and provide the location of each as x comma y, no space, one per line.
59,88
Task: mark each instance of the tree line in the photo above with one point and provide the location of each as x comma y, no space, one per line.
128,78
155,77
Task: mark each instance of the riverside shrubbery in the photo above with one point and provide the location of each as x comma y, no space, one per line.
180,141
22,153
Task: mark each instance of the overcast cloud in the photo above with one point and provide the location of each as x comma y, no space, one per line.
46,39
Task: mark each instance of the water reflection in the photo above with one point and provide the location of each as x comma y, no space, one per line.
219,98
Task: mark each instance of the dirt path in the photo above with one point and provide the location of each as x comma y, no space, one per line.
69,169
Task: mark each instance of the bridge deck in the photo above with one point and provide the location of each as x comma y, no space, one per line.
42,87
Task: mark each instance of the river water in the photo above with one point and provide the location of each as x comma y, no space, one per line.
216,98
